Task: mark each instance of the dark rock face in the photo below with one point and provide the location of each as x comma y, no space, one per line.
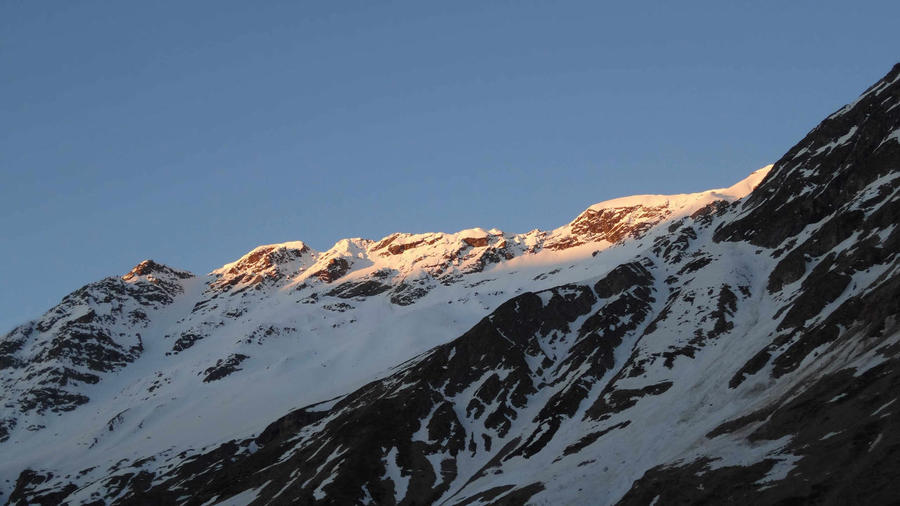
366,288
335,269
29,478
406,294
185,341
750,354
848,450
6,425
224,367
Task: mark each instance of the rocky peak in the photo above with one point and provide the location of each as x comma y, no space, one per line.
345,255
610,224
630,217
271,262
154,272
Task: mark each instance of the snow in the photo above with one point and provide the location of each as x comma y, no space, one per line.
883,406
245,497
691,201
877,440
393,472
894,136
475,233
435,460
783,465
319,492
840,141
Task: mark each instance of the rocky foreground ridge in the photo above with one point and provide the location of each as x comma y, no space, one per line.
730,345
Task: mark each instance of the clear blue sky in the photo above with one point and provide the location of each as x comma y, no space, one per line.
189,132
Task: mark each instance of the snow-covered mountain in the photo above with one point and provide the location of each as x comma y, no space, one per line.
735,344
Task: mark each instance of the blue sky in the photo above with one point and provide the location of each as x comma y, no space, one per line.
189,132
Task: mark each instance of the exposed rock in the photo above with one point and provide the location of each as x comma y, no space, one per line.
224,367
270,263
335,269
367,288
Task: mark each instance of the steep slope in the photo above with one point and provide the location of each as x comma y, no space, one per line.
725,350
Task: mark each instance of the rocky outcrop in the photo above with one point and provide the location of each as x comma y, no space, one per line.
611,225
270,263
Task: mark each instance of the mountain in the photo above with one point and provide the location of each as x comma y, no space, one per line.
734,345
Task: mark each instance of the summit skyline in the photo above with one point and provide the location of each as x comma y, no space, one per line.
191,134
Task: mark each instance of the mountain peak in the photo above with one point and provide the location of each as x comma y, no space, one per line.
614,220
268,261
151,270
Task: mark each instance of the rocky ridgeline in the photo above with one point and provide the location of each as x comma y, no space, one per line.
403,268
400,261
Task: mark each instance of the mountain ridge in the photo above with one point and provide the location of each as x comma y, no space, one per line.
733,351
585,223
345,273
